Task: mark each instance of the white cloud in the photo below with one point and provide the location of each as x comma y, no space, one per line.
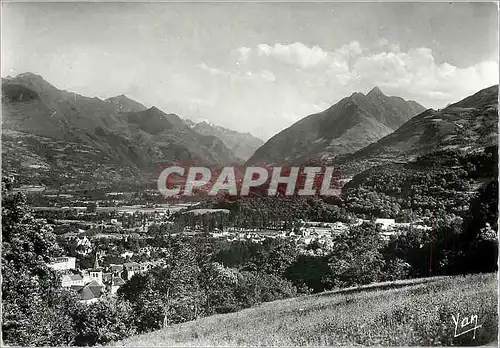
243,53
351,49
296,54
211,70
268,76
263,75
416,73
269,87
382,42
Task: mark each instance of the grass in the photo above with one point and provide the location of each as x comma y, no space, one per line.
416,313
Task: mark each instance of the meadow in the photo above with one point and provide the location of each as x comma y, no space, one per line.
417,312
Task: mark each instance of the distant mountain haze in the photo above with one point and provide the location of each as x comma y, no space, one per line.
243,145
349,125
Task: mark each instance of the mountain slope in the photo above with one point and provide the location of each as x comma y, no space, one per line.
437,160
34,109
402,313
351,124
469,124
173,140
125,104
243,145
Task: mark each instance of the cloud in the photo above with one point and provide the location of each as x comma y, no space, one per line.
267,87
296,54
267,75
383,43
213,71
243,53
264,75
416,73
352,67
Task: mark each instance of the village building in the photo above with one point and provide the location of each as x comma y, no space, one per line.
115,269
131,268
116,283
88,293
386,224
69,280
63,263
95,274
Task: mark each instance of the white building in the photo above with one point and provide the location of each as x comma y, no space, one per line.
131,268
116,283
127,254
387,224
69,280
63,263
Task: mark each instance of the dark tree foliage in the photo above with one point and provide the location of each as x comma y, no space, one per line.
356,258
479,242
310,273
36,311
32,313
191,286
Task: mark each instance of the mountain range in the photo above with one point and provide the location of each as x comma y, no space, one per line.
243,145
470,122
56,137
468,125
121,138
349,125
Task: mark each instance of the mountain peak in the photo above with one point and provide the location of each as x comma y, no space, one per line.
154,109
125,104
375,91
29,75
117,98
32,81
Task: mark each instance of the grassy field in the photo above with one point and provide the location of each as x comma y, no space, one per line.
416,312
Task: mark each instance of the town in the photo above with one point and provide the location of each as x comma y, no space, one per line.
106,245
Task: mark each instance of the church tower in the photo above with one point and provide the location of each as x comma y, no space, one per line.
96,272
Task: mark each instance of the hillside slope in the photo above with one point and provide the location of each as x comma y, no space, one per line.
125,104
118,132
351,124
468,125
416,313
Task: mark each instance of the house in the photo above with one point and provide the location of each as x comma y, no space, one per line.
63,263
116,283
107,277
387,224
88,293
82,245
115,269
339,226
69,280
127,254
131,268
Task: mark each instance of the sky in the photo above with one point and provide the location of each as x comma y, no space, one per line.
254,67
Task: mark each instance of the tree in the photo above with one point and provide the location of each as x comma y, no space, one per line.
309,272
355,256
478,244
220,285
103,321
35,309
173,291
91,207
